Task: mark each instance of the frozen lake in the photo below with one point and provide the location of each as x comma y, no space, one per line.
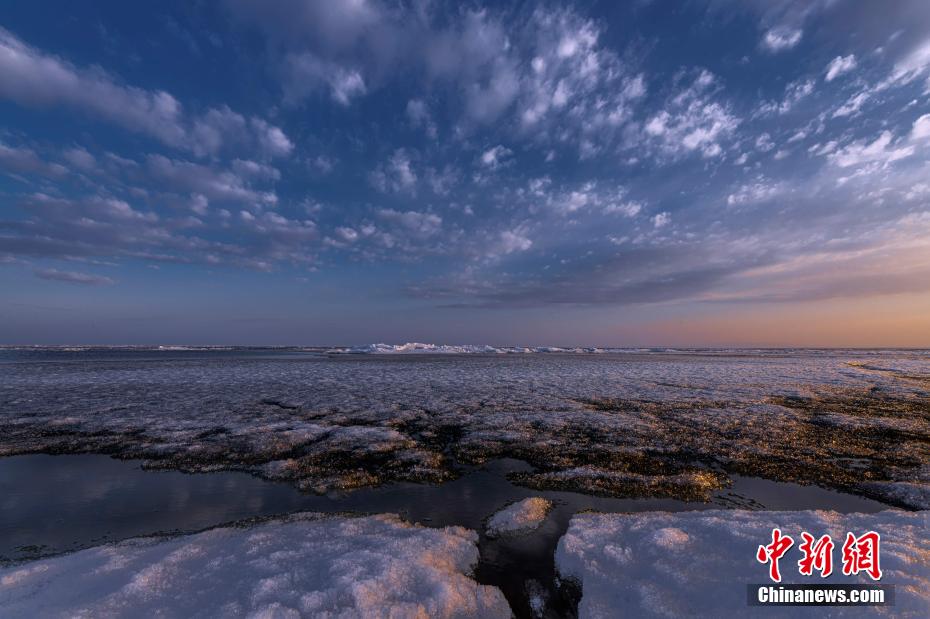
447,440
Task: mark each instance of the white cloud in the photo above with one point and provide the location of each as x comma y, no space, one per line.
494,157
271,138
630,208
751,193
921,128
764,143
246,168
188,177
396,174
661,219
840,65
692,121
512,241
794,92
114,208
80,158
852,105
781,38
419,116
823,149
442,180
881,151
31,77
25,160
199,203
348,235
420,224
307,73
73,277
914,62
322,164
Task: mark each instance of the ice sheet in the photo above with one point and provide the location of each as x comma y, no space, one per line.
699,563
305,565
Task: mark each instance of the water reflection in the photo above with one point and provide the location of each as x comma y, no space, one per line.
52,504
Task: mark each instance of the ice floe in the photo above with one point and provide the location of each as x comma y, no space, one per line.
520,517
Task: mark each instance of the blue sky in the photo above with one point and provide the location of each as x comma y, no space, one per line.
296,172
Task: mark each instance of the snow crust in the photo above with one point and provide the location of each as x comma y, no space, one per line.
305,565
520,517
698,563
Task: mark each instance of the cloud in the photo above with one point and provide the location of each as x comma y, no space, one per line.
881,150
494,157
840,65
80,159
914,62
794,92
348,235
25,161
624,276
761,190
271,139
692,121
33,78
396,174
921,129
764,143
781,38
419,116
853,104
246,168
661,220
199,204
327,26
513,240
630,208
548,69
73,277
307,73
322,164
569,199
420,224
221,185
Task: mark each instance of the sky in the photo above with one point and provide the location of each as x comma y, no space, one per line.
700,173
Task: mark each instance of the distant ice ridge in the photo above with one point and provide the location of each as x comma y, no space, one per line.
697,564
304,565
420,347
417,347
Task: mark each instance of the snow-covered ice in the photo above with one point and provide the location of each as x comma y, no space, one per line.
303,565
660,564
648,423
520,517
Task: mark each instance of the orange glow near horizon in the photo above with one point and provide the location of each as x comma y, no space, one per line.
899,321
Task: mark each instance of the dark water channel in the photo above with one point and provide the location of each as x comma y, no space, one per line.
54,504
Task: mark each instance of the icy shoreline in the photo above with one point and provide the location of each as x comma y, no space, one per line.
649,564
301,565
698,563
